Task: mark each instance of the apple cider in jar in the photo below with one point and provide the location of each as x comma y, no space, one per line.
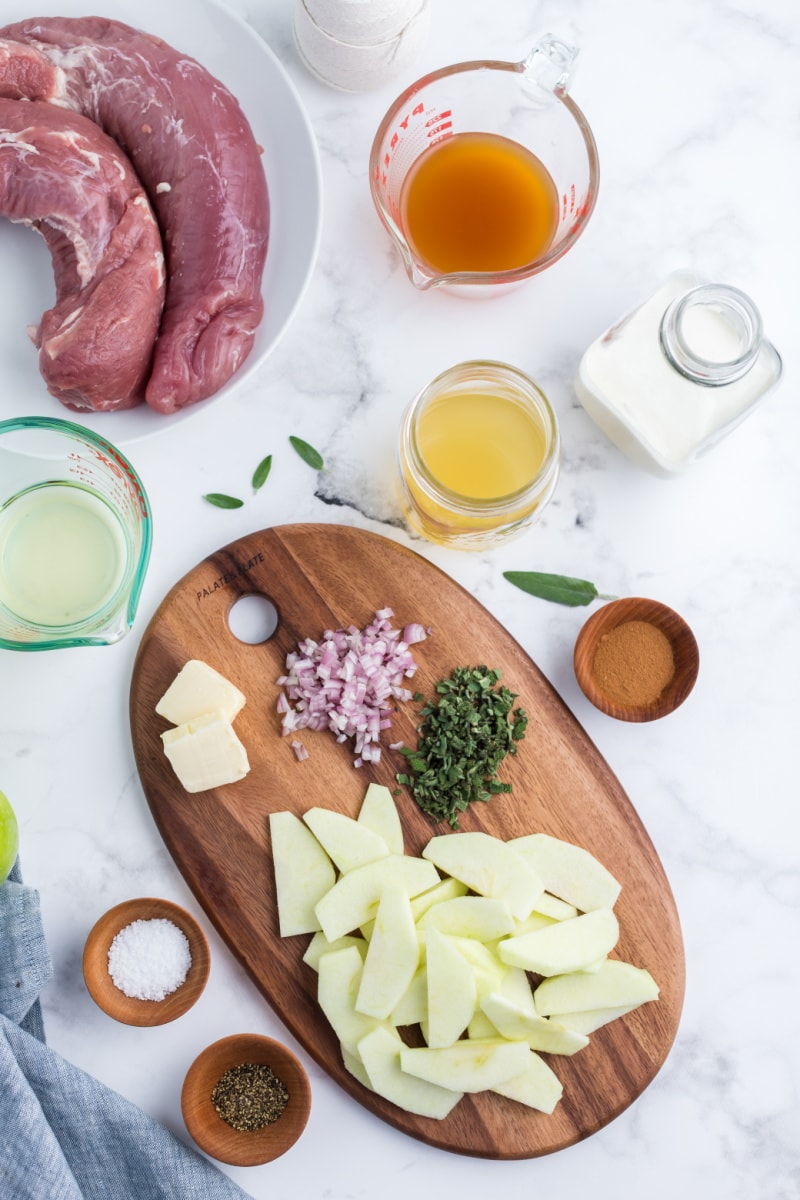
478,456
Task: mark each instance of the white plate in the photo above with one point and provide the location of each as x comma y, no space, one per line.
233,52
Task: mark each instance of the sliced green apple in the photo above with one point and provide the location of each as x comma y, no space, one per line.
380,1053
353,900
469,1065
615,983
565,946
348,843
569,871
392,954
338,981
303,874
489,867
479,917
516,1024
452,992
538,1086
379,813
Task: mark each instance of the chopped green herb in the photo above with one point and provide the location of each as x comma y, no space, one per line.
561,589
463,738
220,500
261,472
307,453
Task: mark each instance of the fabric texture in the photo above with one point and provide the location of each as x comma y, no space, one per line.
63,1134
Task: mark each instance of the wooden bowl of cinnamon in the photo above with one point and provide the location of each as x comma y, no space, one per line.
636,659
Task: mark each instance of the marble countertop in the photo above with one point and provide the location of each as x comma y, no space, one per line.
695,107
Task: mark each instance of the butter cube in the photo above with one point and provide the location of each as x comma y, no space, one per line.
196,689
205,752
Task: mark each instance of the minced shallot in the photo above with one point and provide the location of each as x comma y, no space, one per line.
348,681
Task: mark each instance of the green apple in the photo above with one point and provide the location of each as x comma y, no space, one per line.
393,955
347,842
303,873
9,837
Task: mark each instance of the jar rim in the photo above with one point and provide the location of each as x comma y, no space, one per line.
741,313
519,387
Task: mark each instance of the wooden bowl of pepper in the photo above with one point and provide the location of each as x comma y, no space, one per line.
636,659
246,1099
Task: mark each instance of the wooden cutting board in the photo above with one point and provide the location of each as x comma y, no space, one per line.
327,576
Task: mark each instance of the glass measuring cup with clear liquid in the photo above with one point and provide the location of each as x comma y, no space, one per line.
485,173
75,536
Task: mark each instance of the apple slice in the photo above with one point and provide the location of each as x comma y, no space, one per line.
412,1007
378,812
477,917
452,993
445,889
392,956
303,874
615,983
353,900
565,946
489,971
594,1018
551,906
516,988
516,1024
320,945
538,1086
338,981
380,1053
569,872
348,843
489,867
473,1065
355,1066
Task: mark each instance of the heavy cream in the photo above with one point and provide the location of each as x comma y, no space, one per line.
670,379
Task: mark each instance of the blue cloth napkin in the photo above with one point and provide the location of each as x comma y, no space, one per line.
63,1134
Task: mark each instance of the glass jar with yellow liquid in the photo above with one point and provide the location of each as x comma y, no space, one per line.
478,456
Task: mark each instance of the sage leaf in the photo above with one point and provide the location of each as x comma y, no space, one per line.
464,736
220,500
307,453
560,589
261,472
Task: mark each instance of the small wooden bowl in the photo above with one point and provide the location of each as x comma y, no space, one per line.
216,1136
128,1009
684,651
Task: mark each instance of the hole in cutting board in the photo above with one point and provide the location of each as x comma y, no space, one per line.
253,619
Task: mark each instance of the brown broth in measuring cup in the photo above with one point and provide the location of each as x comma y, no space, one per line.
478,202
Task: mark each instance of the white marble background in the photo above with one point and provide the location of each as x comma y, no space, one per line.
696,109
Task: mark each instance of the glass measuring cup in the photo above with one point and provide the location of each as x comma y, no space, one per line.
525,102
75,536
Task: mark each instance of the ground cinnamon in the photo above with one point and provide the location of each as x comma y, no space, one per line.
633,663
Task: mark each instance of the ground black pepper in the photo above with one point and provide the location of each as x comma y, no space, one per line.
250,1096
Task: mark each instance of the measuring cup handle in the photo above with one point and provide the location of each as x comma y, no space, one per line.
550,64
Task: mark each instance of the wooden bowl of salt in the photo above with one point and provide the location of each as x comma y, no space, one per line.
146,961
636,659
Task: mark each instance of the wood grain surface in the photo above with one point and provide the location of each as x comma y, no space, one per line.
326,576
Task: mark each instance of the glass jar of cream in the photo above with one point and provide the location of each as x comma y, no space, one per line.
677,374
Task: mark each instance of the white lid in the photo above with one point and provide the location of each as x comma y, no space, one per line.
362,22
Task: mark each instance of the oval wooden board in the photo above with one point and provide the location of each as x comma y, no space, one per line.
327,576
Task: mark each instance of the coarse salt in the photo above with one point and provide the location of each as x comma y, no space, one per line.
149,959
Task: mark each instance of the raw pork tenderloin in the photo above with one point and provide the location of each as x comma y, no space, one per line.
195,153
60,174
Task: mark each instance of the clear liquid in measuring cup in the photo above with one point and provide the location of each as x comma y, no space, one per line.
63,555
478,202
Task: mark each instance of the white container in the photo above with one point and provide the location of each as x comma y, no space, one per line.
672,378
357,66
362,22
